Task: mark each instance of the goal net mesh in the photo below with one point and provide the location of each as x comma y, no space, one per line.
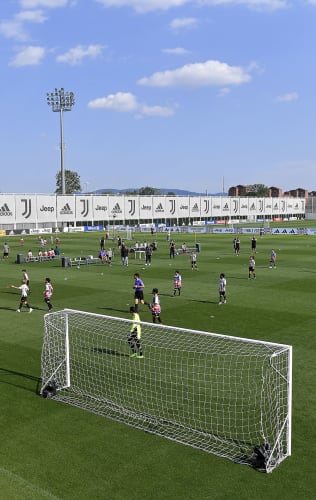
221,394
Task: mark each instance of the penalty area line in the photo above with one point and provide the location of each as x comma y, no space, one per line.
24,485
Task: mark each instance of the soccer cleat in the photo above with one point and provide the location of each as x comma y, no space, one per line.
30,310
219,303
224,301
133,355
139,356
18,310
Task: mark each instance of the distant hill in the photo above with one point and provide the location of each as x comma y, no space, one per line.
164,191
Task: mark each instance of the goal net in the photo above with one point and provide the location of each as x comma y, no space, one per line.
225,395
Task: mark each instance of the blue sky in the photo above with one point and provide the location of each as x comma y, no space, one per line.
188,94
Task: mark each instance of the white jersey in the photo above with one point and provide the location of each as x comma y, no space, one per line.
24,290
222,285
48,290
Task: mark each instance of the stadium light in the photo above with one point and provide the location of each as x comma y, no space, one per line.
61,101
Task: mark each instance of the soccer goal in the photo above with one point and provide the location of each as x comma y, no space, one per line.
225,395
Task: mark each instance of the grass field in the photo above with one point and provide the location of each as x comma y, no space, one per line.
50,450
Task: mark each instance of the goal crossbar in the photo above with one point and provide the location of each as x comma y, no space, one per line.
226,395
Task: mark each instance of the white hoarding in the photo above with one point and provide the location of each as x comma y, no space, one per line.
100,208
225,202
243,207
7,209
131,207
216,206
46,208
84,212
26,209
195,206
183,207
146,208
159,207
116,208
66,208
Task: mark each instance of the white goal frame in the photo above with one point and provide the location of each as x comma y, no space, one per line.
226,395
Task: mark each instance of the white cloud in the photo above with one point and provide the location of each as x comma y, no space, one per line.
156,111
76,54
34,4
33,16
253,4
15,28
178,51
291,96
29,56
204,74
143,6
125,102
183,23
223,92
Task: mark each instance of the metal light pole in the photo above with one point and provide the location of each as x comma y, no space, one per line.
61,101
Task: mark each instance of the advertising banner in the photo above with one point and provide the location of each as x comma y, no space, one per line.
116,208
195,207
146,208
66,208
26,208
243,207
225,202
100,206
131,207
46,208
159,207
84,211
7,209
206,207
216,209
183,207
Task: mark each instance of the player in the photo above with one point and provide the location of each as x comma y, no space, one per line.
24,292
6,250
273,257
237,247
48,292
25,277
138,292
254,244
135,335
252,268
222,289
193,261
155,307
177,283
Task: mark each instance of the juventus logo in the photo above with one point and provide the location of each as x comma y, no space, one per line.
206,206
132,205
260,205
235,203
173,207
27,207
85,208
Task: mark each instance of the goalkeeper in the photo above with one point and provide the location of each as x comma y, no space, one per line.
135,335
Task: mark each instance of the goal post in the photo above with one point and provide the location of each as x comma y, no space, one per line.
226,395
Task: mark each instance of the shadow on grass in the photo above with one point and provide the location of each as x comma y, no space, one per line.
111,352
113,309
16,379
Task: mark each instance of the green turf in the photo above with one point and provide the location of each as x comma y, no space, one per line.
51,450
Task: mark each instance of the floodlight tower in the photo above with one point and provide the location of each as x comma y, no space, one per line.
61,101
